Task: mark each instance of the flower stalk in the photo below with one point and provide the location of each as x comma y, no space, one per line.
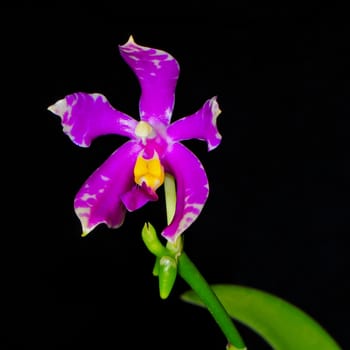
189,272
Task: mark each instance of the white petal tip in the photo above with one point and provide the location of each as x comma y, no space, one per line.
129,42
58,108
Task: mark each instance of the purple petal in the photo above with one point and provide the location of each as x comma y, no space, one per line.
157,72
192,189
200,125
87,116
138,197
99,200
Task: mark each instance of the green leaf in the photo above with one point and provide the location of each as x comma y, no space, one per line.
282,325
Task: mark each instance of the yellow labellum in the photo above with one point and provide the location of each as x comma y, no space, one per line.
149,171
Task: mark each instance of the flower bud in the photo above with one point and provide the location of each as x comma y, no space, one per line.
167,275
150,238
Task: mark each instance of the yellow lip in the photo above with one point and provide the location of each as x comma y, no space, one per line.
149,171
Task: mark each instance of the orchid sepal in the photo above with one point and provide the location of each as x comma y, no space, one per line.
201,125
84,117
157,72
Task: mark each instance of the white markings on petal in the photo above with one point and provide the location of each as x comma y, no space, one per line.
126,125
215,110
83,214
62,109
168,112
83,211
160,53
192,211
96,96
135,58
67,128
59,108
88,196
157,63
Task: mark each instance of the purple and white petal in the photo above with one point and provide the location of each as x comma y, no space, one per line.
200,125
157,72
87,116
192,189
99,199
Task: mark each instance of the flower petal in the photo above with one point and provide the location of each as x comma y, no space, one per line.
157,72
99,199
200,125
87,116
192,189
138,196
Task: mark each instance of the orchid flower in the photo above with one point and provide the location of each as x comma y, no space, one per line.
130,177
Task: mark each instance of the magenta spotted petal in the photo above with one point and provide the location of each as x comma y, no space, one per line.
201,125
87,116
157,72
130,177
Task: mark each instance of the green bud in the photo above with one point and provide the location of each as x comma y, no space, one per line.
150,238
167,275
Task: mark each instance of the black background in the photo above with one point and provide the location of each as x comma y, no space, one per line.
277,217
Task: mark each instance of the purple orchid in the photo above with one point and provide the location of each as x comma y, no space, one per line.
129,178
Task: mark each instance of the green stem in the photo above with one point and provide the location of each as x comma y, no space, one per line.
188,271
